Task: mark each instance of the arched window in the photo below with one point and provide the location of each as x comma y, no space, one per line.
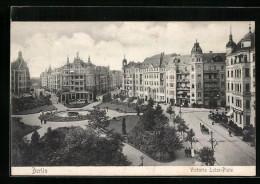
192,68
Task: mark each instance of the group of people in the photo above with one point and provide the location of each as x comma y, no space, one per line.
42,120
187,152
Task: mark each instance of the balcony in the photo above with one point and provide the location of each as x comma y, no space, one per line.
211,89
211,80
210,71
183,80
183,88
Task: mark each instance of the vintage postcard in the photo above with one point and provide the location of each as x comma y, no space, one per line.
133,98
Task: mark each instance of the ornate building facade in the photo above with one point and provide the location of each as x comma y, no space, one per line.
240,71
198,78
20,76
79,80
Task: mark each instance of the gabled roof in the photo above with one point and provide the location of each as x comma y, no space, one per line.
216,57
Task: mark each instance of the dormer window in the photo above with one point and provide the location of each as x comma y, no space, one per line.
246,44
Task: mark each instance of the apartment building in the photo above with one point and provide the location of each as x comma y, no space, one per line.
240,71
198,78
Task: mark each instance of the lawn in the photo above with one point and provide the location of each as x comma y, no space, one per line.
20,129
36,110
120,107
130,122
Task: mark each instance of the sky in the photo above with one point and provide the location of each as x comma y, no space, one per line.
50,43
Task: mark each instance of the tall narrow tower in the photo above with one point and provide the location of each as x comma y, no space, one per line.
196,75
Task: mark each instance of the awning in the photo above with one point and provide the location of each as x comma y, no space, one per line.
230,113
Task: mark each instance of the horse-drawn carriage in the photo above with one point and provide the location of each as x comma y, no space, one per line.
204,129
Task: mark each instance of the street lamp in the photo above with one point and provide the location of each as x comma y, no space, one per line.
142,160
180,111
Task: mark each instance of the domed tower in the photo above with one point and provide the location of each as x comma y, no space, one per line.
230,46
196,52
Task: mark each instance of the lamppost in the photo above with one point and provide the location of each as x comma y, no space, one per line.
180,111
142,160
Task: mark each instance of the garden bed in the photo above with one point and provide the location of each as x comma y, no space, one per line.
71,117
78,105
119,107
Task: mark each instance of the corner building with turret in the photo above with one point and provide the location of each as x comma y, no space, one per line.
198,78
240,72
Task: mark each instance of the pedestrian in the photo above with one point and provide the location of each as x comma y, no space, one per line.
41,114
45,121
186,152
229,133
189,152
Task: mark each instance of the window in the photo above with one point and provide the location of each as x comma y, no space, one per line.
222,76
247,72
215,67
228,73
253,57
247,87
228,86
192,94
254,72
192,68
232,99
240,119
199,94
199,75
231,61
199,85
247,104
192,76
231,73
232,86
192,85
228,99
222,67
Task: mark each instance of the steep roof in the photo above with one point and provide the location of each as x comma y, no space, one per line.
157,60
216,57
247,37
19,63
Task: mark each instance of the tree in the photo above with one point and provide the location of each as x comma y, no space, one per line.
35,138
95,94
98,120
151,102
190,137
169,110
206,156
74,146
137,110
182,127
123,126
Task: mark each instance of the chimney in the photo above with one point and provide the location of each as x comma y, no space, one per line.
210,52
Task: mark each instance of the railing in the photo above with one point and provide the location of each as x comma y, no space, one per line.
211,80
183,80
210,71
181,88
